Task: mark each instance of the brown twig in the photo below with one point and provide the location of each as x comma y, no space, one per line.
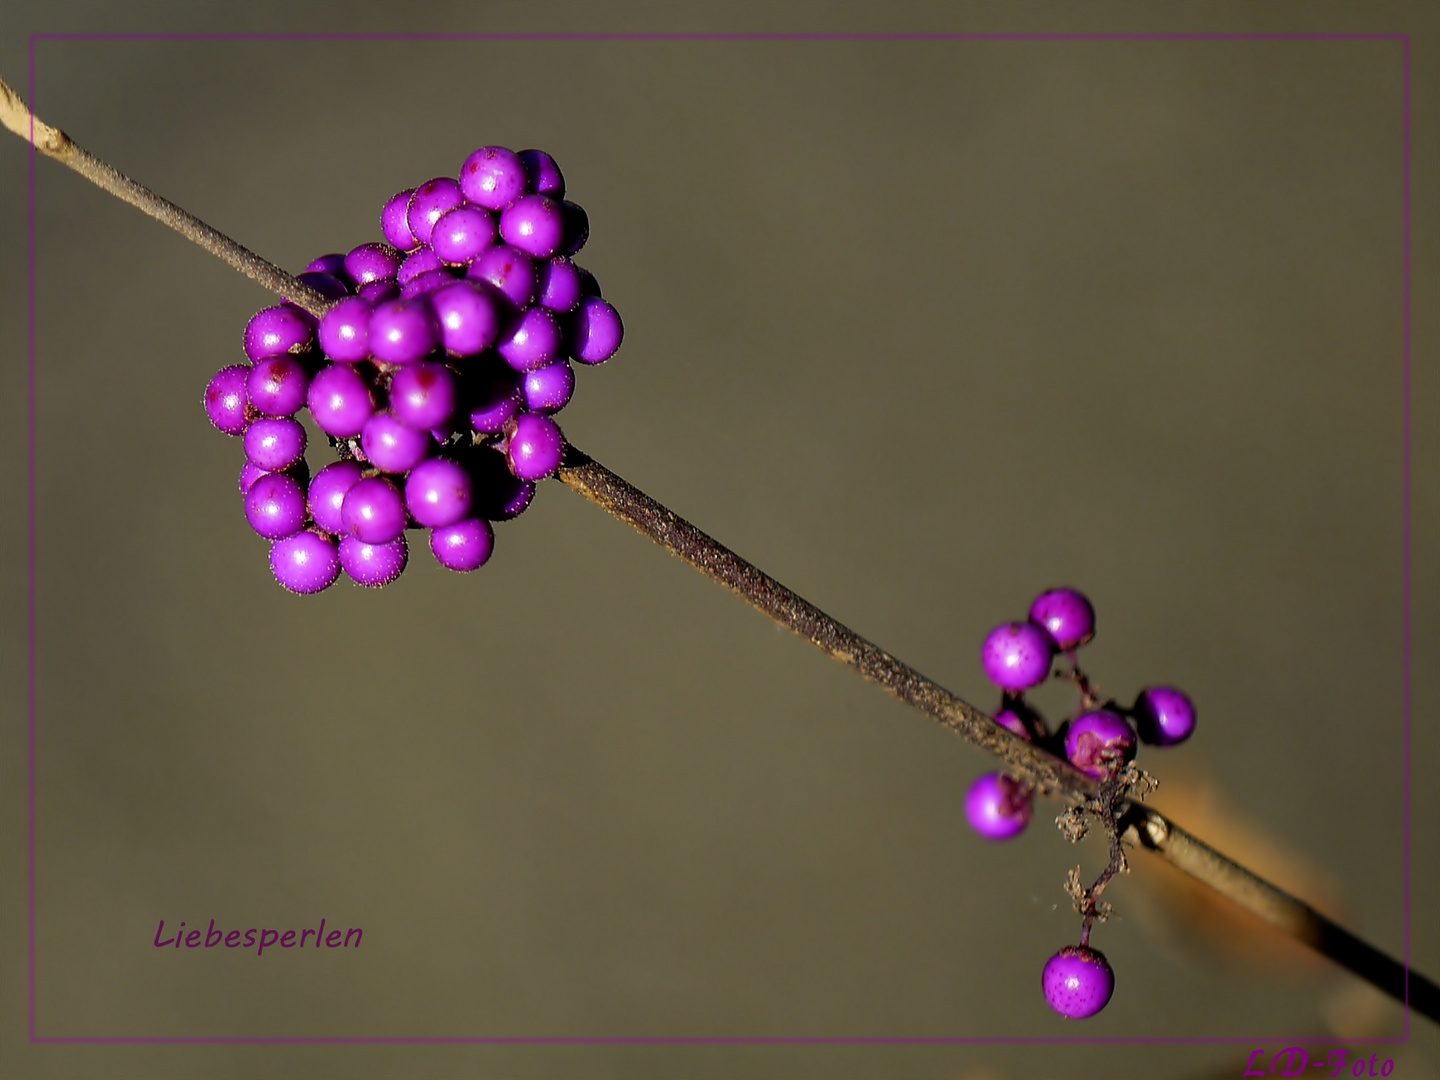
1049,774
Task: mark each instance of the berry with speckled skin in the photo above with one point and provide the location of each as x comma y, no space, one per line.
549,389
249,473
1097,742
274,331
305,563
1017,655
1067,614
463,546
277,386
403,331
1078,982
340,400
535,446
1164,716
998,806
463,233
373,565
438,492
493,177
535,224
420,261
534,342
226,398
275,444
595,331
275,506
373,511
327,494
372,262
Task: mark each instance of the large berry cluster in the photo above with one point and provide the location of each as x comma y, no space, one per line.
1099,740
435,373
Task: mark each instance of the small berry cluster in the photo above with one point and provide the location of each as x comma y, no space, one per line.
1100,740
435,373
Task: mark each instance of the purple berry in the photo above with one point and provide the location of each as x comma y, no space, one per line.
595,331
393,225
392,446
535,446
1099,741
1164,716
226,398
463,233
549,389
589,286
426,283
423,395
494,396
1078,982
420,261
469,316
535,341
403,331
1010,721
305,563
377,292
1068,616
438,493
575,227
499,495
333,264
277,386
345,331
466,545
327,494
493,177
275,506
275,444
534,224
509,270
559,284
327,285
341,400
373,511
372,262
373,565
275,331
1017,655
249,473
998,806
430,201
542,175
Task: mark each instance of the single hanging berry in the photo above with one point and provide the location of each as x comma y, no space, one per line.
1078,982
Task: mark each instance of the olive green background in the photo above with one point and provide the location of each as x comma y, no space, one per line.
919,327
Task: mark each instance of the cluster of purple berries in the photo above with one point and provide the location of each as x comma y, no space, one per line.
1099,740
435,373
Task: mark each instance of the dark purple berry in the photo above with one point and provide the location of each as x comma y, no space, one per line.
373,511
575,227
509,270
329,286
333,264
549,389
420,261
403,331
998,806
275,331
534,342
499,495
377,292
305,563
423,395
542,175
535,224
393,225
426,283
275,506
1078,982
373,565
275,444
1097,742
1068,616
466,545
559,284
463,233
327,494
535,446
493,177
438,492
595,331
394,447
277,386
494,397
344,331
341,400
372,262
469,314
430,201
1164,716
226,398
589,286
1017,655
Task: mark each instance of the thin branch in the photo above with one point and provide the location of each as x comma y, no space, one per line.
54,143
1049,774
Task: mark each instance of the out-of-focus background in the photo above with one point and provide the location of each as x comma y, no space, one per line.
919,327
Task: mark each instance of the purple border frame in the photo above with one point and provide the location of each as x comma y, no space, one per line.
561,1040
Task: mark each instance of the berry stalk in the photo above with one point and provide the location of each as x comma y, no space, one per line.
1050,774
